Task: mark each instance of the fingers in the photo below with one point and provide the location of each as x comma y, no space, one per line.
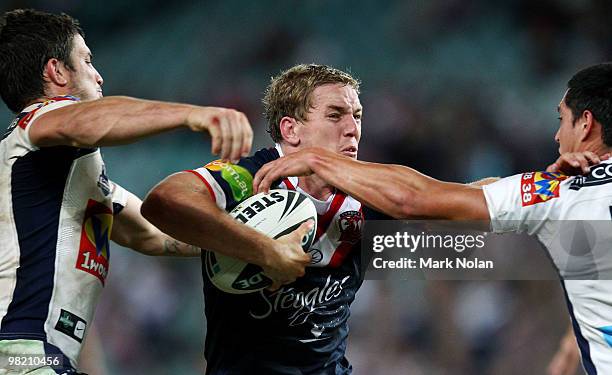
592,157
226,137
237,130
554,167
267,176
583,162
215,134
258,184
569,162
230,131
303,229
247,140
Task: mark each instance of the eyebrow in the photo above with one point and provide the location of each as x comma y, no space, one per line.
342,109
558,108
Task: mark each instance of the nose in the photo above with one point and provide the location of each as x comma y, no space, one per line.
99,79
557,136
351,128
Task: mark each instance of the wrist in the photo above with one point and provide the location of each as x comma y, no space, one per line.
191,114
268,254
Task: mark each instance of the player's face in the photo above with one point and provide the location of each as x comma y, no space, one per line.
334,120
85,81
568,134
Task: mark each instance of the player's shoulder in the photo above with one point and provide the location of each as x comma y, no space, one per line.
254,162
598,180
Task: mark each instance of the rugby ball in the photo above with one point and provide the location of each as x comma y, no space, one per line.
275,214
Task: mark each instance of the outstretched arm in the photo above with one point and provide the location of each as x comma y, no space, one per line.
182,206
119,120
132,230
395,190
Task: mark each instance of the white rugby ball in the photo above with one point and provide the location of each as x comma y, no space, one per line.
275,214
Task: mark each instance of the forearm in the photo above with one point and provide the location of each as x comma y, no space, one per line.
485,181
109,121
184,212
399,191
393,189
164,245
133,231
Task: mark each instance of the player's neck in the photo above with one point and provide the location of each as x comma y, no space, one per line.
316,187
597,147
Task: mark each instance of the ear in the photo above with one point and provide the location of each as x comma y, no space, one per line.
289,130
586,122
56,72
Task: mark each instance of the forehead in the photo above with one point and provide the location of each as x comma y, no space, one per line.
335,94
79,46
562,105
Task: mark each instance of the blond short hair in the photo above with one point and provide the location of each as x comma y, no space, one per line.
289,93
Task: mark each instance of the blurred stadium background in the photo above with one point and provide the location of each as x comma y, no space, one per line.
459,89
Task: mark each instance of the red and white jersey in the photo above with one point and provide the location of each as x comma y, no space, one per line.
572,218
57,208
340,217
307,318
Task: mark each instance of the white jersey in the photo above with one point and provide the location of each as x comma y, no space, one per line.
572,218
56,214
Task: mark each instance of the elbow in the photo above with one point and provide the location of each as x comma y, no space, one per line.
156,205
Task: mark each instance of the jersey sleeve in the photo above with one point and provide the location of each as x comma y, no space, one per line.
523,202
25,124
229,183
119,197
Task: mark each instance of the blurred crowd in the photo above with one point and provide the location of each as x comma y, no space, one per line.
458,89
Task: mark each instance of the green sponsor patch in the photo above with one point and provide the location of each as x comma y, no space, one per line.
239,179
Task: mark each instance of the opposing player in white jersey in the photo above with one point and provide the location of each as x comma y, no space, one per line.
543,204
57,205
302,327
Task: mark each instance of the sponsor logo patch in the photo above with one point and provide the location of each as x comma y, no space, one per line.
71,325
600,174
94,249
538,187
239,178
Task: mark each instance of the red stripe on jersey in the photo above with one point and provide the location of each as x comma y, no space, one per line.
23,123
325,219
340,254
210,190
288,184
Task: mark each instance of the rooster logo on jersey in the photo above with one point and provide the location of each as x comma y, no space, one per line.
350,223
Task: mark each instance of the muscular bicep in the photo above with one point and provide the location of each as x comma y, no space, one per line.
49,129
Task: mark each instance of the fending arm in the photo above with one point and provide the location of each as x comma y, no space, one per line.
398,191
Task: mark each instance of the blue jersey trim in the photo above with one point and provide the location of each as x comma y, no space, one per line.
38,181
583,344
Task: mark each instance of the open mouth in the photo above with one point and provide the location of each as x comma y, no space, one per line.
349,151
